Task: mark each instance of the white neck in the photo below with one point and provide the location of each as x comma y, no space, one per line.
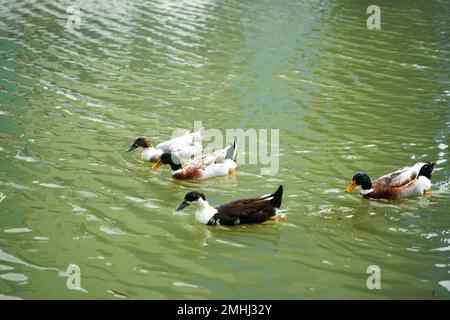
424,182
364,192
151,154
204,211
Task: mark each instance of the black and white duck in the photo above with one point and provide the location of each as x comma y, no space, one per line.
246,211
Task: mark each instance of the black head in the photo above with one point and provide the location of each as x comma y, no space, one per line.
194,196
170,159
189,198
140,142
360,179
427,170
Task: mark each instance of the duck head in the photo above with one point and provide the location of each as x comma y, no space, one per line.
360,179
170,159
140,142
193,197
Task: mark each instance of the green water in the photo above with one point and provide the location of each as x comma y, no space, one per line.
344,98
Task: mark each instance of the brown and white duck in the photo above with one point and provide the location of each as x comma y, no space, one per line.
412,181
218,163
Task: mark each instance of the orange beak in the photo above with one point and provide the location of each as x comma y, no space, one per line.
351,186
157,165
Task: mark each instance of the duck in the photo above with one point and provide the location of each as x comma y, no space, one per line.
185,146
246,211
410,181
218,163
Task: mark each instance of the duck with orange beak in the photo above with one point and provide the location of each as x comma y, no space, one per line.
411,181
218,163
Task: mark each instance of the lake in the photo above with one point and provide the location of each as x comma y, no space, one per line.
78,84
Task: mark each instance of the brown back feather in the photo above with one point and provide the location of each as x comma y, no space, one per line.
248,210
188,173
395,179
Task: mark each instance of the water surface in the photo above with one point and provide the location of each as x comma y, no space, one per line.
345,99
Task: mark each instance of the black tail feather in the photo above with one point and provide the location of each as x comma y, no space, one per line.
231,152
427,170
277,197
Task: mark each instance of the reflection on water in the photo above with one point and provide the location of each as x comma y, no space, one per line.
344,98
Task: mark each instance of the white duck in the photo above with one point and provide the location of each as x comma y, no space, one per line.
185,146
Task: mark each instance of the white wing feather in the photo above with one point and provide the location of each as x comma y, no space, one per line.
185,146
209,159
403,176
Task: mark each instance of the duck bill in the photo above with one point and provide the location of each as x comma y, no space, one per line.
351,187
157,165
182,205
132,148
